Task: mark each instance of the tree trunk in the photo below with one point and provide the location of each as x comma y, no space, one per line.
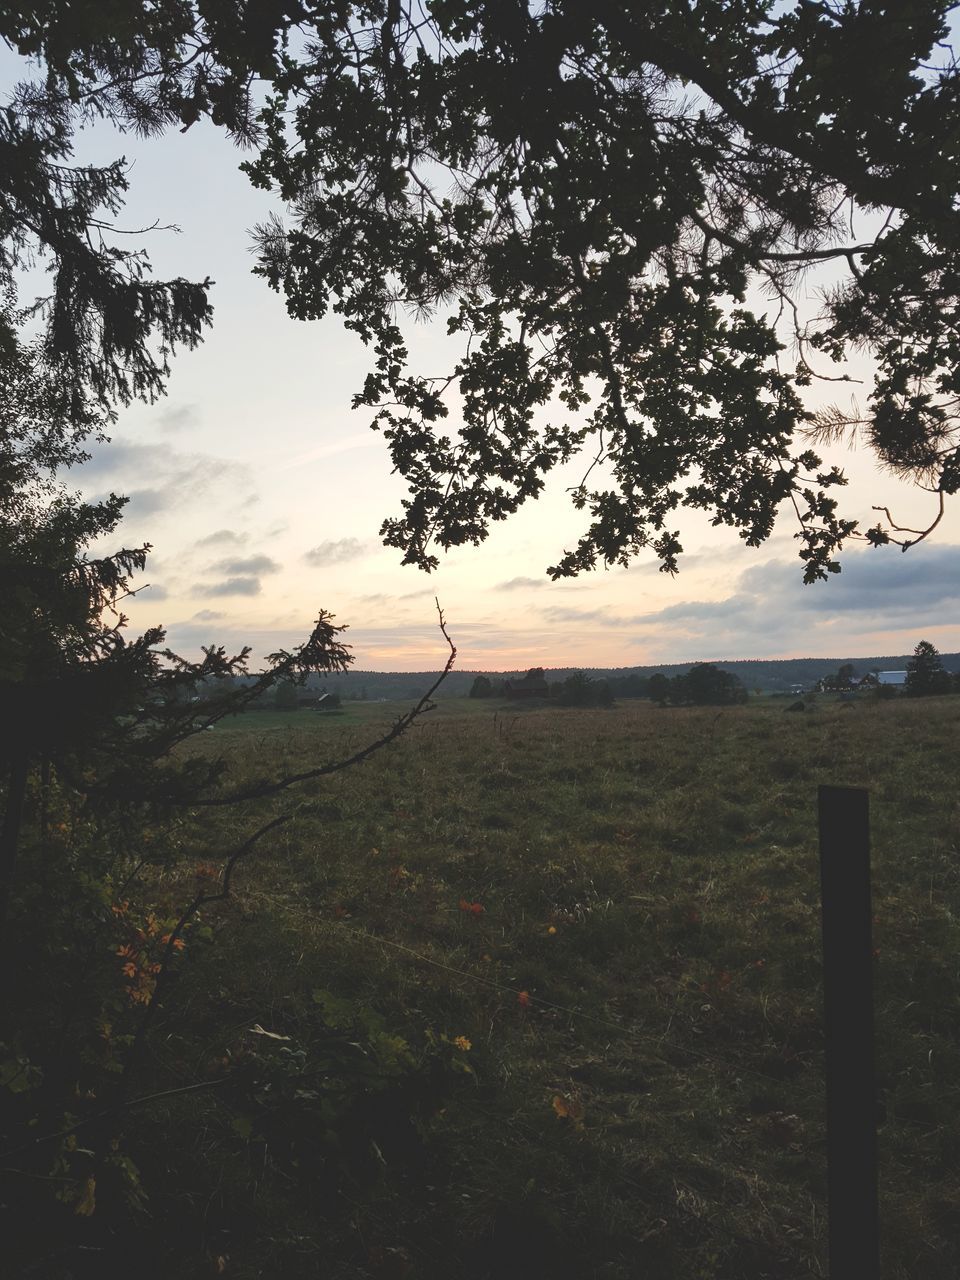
10,833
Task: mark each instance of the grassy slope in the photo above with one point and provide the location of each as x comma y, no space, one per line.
650,878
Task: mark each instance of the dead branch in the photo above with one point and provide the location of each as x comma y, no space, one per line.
200,899
105,1115
203,898
399,727
904,543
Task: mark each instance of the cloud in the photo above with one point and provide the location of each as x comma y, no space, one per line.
245,567
884,581
518,584
155,591
706,611
123,457
771,610
231,587
345,445
177,417
559,613
207,615
144,502
175,478
327,553
223,537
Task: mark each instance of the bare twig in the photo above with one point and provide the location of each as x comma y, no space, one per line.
203,897
105,1115
199,900
399,727
904,543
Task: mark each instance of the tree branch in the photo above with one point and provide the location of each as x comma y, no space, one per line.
399,727
906,544
120,1107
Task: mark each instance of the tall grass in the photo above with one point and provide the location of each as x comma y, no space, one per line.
617,911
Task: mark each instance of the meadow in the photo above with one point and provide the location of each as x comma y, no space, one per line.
537,992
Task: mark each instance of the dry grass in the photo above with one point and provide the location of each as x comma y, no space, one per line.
638,982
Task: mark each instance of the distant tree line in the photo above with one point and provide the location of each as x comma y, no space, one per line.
704,685
926,677
773,676
845,678
291,697
578,690
285,695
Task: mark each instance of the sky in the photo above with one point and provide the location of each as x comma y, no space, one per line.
262,493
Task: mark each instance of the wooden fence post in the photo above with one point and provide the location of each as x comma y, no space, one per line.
848,1022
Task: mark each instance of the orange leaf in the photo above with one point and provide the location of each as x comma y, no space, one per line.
523,999
88,1201
568,1109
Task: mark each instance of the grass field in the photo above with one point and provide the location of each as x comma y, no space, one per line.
542,995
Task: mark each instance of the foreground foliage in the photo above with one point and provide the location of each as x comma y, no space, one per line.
533,993
615,207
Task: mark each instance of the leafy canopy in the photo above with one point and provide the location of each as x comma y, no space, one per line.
615,206
704,685
926,675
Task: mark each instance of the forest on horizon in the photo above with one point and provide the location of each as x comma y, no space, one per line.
770,675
